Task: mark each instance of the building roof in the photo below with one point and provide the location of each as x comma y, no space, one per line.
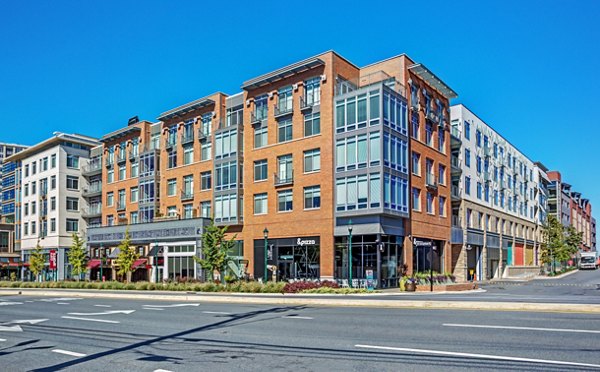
424,73
112,136
187,108
283,73
53,141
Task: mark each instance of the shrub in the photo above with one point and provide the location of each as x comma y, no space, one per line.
330,290
302,286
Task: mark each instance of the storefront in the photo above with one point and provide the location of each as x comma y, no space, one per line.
474,255
293,258
519,252
492,246
380,253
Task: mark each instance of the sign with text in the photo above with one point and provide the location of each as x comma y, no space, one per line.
53,259
370,283
422,243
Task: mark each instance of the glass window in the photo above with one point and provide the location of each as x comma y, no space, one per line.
375,190
72,183
468,158
284,201
260,137
205,180
110,176
188,154
172,158
312,124
260,170
188,211
206,151
312,91
285,130
416,163
172,187
468,185
312,160
72,161
110,199
205,209
72,204
122,172
430,203
260,203
53,162
312,197
133,194
374,148
285,171
134,169
442,206
52,182
72,225
416,199
441,174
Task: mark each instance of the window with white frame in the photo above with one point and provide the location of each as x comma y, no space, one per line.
312,124
312,197
260,137
284,130
133,194
188,154
172,187
260,170
312,160
284,201
260,203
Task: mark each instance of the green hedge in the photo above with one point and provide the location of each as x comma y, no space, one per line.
328,290
242,287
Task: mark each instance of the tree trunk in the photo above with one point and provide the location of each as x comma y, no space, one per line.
128,280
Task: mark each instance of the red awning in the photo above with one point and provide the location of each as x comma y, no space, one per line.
93,264
14,264
26,264
138,263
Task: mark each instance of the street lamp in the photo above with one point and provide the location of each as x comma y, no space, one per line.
155,262
350,253
266,235
101,260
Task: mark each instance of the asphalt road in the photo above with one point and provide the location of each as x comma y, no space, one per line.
47,334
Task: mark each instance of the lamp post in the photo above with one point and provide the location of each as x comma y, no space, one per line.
101,260
432,250
350,253
266,235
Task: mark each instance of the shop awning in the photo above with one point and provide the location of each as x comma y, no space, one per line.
93,264
138,263
14,264
26,264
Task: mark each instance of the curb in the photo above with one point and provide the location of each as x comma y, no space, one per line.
557,277
398,304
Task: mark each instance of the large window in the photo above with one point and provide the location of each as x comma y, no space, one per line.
226,175
172,158
416,163
395,152
72,225
284,201
467,130
312,160
172,187
394,112
442,206
312,124
226,208
260,170
122,172
312,91
188,154
72,204
260,203
135,169
285,99
359,192
285,171
416,199
284,130
468,158
430,203
205,181
72,161
357,111
205,209
72,183
260,107
468,185
260,137
206,151
226,144
133,194
312,197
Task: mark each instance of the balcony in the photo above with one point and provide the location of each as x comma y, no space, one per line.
187,137
133,155
201,135
455,193
121,158
121,205
92,211
283,179
455,165
170,142
283,108
307,102
94,189
258,116
109,162
486,151
432,116
187,195
455,141
43,192
430,181
486,176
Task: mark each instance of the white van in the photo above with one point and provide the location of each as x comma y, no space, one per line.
588,261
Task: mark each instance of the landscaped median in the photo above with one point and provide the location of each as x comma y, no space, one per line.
324,287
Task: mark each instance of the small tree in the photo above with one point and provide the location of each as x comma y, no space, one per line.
77,256
215,250
573,240
37,261
127,256
553,233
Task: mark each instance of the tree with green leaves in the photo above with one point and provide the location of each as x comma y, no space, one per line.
554,245
573,240
77,256
37,261
126,258
215,250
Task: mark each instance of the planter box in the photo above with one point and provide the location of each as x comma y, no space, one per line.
447,287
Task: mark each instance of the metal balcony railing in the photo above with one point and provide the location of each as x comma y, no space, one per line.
133,154
201,135
92,211
283,108
121,205
257,116
455,192
430,181
307,102
187,137
286,178
170,142
109,162
93,188
187,195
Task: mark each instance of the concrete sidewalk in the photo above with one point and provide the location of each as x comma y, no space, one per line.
291,299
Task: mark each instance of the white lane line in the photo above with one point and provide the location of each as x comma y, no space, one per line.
2,340
297,317
106,312
28,301
162,370
67,352
103,305
63,303
216,312
91,319
520,328
478,356
176,305
152,308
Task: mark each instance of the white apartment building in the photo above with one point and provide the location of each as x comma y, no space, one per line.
495,200
51,198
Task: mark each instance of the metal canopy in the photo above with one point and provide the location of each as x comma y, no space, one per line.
425,74
282,73
119,133
188,107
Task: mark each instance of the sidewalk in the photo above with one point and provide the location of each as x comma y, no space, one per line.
295,300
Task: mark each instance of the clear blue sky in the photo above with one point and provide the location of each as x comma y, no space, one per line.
528,68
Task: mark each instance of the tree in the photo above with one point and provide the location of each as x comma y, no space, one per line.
215,249
77,256
553,233
37,261
127,256
573,240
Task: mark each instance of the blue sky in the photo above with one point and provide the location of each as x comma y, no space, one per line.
528,68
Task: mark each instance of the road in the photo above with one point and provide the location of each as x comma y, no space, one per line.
47,334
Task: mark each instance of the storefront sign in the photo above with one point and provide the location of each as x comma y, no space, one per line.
302,242
422,243
370,283
52,259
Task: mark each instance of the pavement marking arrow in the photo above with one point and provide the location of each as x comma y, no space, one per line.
91,319
15,328
67,352
27,321
106,312
176,305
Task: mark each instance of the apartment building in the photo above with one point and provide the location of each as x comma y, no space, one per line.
593,233
498,200
8,181
51,198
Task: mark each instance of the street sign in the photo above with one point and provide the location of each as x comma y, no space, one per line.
53,259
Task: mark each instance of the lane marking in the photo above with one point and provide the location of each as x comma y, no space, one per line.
28,301
176,305
10,303
216,312
15,328
479,356
520,328
297,317
59,299
106,312
2,340
162,370
63,303
153,308
91,319
103,305
27,321
67,352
